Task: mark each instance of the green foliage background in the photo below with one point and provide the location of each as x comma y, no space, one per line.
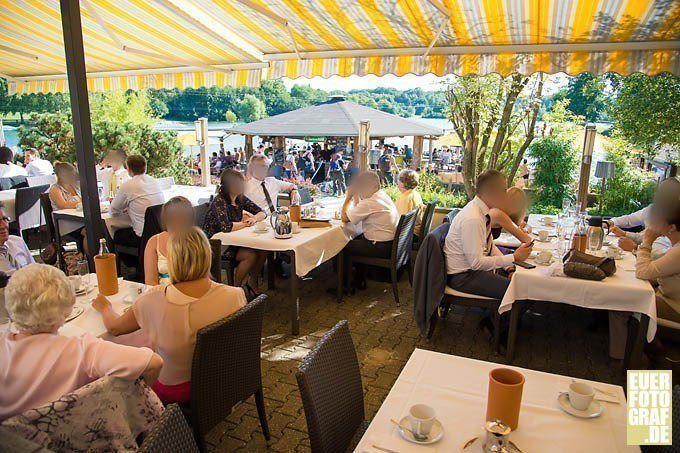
555,163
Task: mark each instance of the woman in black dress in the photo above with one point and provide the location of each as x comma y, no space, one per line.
230,210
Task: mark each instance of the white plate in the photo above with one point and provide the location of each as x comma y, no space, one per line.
593,411
84,290
260,231
476,445
77,311
436,433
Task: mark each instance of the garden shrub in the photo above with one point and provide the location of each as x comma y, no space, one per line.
555,162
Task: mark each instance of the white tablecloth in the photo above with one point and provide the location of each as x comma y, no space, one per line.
91,320
7,197
456,388
312,246
620,292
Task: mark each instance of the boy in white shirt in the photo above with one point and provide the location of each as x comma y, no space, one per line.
35,166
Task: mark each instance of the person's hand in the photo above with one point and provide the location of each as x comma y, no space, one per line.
651,233
101,303
618,232
249,221
627,244
523,251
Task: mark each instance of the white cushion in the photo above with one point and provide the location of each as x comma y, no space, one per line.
668,324
452,292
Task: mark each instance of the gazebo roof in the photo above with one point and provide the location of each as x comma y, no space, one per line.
335,118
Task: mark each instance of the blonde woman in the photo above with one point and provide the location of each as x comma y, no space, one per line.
171,314
38,364
410,198
511,217
177,214
64,194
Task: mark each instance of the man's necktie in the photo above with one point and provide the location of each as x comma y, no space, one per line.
4,253
489,235
268,197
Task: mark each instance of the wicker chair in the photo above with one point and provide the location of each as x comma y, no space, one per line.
401,252
332,395
226,369
170,434
216,260
425,223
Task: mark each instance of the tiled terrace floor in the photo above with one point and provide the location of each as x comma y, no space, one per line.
385,335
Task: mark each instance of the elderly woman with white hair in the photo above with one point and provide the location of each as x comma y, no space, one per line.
37,364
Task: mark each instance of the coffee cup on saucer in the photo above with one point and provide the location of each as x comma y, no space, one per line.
580,395
544,257
261,227
543,235
614,252
547,221
422,417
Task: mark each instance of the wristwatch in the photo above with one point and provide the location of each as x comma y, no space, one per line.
646,247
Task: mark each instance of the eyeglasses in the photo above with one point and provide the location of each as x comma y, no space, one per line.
5,219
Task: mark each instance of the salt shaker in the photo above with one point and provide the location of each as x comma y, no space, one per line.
497,437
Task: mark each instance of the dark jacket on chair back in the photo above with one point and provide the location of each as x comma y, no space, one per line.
429,277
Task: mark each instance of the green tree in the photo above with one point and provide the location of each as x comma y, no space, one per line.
555,163
646,111
230,117
121,107
586,96
250,108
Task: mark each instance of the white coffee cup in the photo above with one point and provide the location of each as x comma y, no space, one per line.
543,235
613,252
261,227
580,395
548,221
544,256
422,418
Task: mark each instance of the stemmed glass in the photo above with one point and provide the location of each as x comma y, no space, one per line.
84,272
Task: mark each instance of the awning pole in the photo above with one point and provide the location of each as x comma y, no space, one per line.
82,128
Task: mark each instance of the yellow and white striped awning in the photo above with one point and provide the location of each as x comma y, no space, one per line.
134,44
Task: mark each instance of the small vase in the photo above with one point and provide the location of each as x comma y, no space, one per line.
505,396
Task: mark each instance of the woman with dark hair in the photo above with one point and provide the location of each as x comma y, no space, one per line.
230,210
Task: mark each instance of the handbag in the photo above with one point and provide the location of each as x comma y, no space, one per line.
588,267
50,254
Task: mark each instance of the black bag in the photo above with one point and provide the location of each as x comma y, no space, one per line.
588,267
50,254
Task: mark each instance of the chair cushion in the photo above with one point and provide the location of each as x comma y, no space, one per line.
668,323
453,292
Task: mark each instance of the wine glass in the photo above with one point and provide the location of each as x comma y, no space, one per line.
84,272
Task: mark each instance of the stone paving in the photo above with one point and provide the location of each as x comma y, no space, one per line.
553,338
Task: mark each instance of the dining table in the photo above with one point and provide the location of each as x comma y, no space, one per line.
457,388
307,249
546,283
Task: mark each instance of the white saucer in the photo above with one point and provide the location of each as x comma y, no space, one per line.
593,411
546,263
260,231
77,311
84,290
436,433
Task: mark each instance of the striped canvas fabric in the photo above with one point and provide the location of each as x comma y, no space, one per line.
180,40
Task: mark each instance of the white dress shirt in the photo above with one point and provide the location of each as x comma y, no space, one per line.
39,167
466,244
378,217
11,169
637,218
105,176
18,255
134,196
253,190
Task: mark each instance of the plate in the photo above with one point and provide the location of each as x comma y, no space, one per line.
77,311
593,411
260,231
475,444
84,290
436,433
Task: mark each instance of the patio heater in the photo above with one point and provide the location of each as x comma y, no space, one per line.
603,170
364,144
201,129
586,160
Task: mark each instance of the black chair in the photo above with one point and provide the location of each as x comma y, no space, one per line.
170,434
216,260
152,226
401,252
452,213
27,209
226,369
52,227
329,381
200,211
426,222
675,417
305,196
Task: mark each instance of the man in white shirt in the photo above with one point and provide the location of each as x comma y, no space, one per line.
115,174
132,199
8,168
35,166
371,209
264,190
14,253
471,256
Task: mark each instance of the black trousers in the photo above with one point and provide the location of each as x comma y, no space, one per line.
360,246
481,283
126,236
